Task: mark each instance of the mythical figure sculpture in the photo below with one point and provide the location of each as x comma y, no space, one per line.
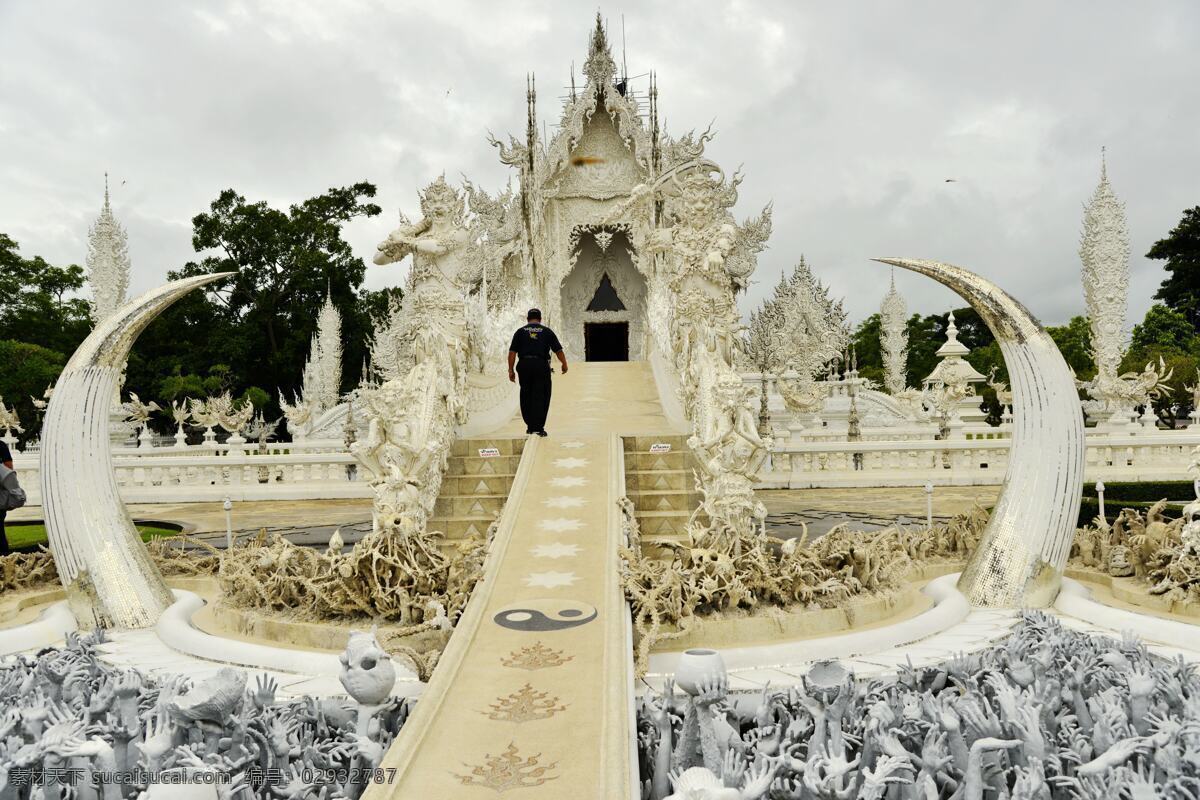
413,413
708,257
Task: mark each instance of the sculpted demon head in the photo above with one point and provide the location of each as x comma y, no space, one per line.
441,201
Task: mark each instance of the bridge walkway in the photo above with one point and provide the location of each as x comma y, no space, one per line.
533,695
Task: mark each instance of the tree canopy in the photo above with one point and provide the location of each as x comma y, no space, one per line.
250,334
1180,290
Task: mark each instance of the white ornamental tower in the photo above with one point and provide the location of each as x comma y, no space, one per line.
893,340
329,340
322,384
107,262
1104,251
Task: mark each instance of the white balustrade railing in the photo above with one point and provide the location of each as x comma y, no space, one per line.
322,469
147,476
1162,455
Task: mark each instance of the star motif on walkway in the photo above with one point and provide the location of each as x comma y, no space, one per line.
550,580
555,550
560,524
567,481
570,463
572,445
563,501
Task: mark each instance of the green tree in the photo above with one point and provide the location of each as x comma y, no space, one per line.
1074,341
1163,328
28,370
38,302
867,348
1180,290
260,321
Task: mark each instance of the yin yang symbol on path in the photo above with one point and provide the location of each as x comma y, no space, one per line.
545,615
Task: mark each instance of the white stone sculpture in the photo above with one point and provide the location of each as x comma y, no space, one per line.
70,724
299,414
203,413
321,387
107,262
103,565
182,415
368,674
1045,714
1021,558
809,332
412,415
1104,252
139,414
9,420
893,340
231,415
950,388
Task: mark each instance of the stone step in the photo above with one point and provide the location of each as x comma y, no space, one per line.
664,500
468,505
642,444
675,460
655,524
461,527
659,480
472,485
474,465
507,446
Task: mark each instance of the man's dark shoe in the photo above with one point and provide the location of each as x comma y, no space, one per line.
541,433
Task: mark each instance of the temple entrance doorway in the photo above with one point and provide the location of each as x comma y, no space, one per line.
603,299
606,341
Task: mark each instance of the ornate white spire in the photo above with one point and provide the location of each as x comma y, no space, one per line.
323,371
1104,251
599,67
107,262
893,339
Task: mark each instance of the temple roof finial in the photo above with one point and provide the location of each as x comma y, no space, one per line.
1103,163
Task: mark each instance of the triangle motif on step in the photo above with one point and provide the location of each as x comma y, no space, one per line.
477,508
662,483
659,463
481,487
664,504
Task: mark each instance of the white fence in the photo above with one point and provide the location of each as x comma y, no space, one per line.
1162,455
313,470
305,471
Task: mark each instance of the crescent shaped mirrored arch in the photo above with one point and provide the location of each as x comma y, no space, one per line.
1020,558
110,580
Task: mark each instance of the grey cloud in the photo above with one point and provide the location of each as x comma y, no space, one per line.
848,116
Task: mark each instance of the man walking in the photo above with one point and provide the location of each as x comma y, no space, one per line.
529,357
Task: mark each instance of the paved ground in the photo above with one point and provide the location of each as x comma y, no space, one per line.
248,516
791,511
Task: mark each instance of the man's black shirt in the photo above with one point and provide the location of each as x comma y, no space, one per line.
534,341
5,453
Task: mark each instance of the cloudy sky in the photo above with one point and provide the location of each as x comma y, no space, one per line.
850,117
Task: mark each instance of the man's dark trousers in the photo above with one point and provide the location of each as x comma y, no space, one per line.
534,374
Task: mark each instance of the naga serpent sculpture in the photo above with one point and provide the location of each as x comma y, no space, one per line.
107,572
1021,556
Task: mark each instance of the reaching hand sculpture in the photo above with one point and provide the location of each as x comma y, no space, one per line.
1046,714
67,709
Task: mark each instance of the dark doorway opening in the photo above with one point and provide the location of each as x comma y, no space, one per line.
606,341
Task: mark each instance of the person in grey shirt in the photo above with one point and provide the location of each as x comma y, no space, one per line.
7,460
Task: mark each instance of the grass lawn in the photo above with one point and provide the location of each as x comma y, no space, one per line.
34,534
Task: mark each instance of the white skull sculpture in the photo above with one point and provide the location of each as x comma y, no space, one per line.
368,674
